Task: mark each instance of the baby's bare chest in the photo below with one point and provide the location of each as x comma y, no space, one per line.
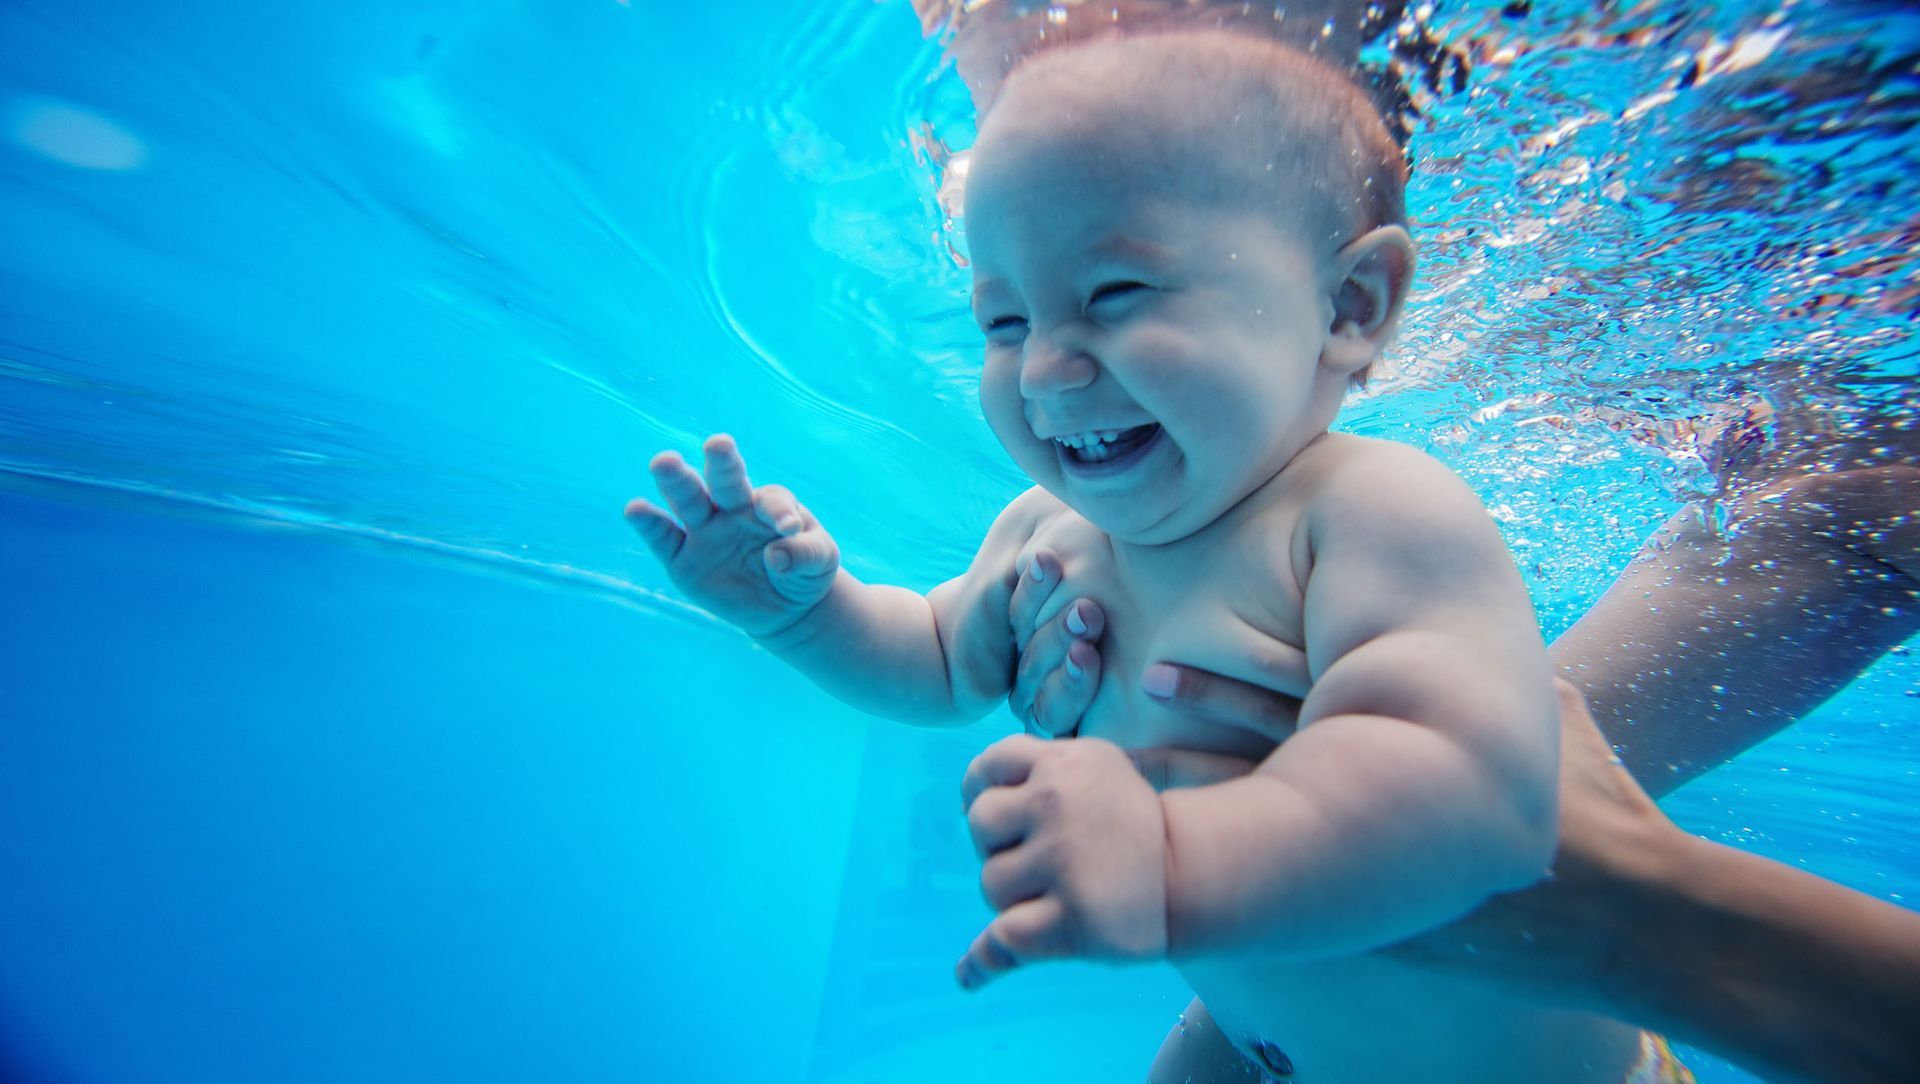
1228,603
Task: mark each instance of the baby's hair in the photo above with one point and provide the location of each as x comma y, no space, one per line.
1309,122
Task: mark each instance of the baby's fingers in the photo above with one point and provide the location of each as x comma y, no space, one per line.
685,493
657,529
1005,763
802,566
1033,930
776,507
727,474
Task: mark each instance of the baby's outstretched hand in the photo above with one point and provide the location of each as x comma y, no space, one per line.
1075,849
754,557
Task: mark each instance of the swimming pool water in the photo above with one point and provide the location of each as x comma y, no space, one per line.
345,733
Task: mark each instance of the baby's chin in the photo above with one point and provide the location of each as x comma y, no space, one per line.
1155,518
1117,516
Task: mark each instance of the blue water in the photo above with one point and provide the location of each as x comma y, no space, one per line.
345,732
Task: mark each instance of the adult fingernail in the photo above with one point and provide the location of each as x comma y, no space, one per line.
1159,680
1075,623
1080,658
1039,574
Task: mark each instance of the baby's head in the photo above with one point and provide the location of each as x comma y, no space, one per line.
1186,245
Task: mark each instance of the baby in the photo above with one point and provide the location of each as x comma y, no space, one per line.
1186,246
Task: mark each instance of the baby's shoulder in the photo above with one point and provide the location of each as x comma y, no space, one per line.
1343,474
1344,459
1029,519
1031,513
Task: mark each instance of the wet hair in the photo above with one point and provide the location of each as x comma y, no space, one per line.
1294,123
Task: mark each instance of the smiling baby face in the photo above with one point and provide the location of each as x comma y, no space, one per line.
1159,273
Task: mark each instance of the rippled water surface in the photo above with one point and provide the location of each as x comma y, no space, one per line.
436,278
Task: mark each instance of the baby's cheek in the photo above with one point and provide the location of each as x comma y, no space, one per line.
1005,411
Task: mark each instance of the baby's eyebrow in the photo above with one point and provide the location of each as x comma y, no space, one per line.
1123,249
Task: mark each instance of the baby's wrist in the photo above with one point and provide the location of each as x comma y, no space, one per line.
1168,870
1197,884
807,625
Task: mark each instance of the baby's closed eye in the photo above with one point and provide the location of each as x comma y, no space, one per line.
1113,296
1004,329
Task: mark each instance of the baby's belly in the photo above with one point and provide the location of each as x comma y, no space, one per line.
1370,1020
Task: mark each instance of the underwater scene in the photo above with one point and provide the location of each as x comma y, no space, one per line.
347,732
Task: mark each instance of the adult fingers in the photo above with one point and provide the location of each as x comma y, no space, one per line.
657,529
685,493
1038,577
1041,653
1047,646
727,474
1065,693
1005,763
1213,698
1167,769
1027,931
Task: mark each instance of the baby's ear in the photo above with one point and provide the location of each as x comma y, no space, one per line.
1373,273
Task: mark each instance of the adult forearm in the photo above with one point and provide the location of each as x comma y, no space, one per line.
878,649
1670,655
1794,977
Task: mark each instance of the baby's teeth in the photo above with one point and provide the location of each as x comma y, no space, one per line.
1088,440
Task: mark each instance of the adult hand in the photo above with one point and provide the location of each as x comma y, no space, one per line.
1556,940
1060,668
1059,665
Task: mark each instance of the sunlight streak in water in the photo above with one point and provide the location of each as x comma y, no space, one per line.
74,135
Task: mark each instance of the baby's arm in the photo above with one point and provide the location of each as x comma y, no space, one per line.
759,560
1421,777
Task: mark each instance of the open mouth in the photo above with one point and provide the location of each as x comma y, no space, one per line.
1105,450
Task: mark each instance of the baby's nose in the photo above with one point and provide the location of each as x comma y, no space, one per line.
1055,364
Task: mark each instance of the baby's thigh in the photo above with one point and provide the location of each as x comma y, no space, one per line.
1196,1051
